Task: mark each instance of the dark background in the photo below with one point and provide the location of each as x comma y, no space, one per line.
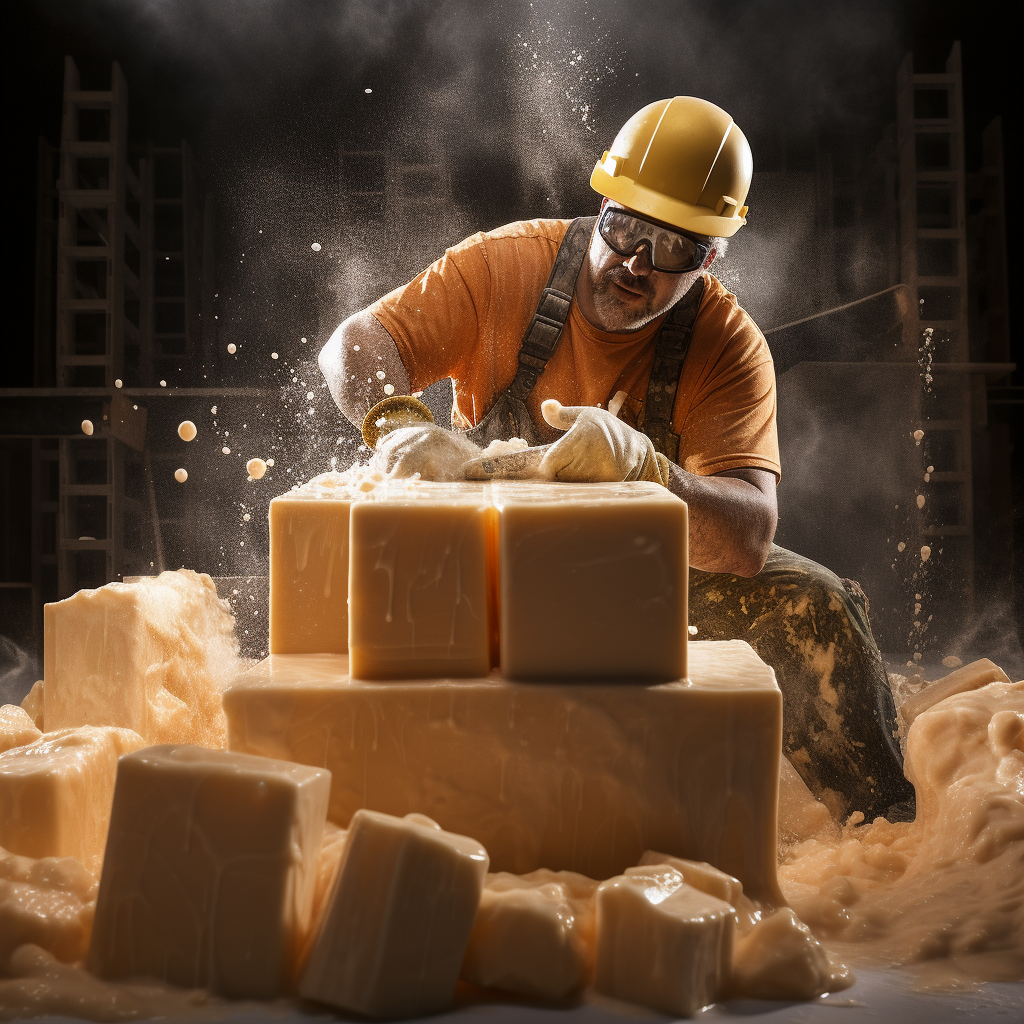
515,100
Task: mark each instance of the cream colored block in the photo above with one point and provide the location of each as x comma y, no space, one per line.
55,793
33,704
309,529
573,777
210,870
47,902
151,655
395,930
16,727
533,934
662,943
701,875
593,581
418,583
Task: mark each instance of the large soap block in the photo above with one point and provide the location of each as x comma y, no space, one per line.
593,581
533,934
55,793
418,583
394,933
662,943
309,566
576,777
152,656
210,870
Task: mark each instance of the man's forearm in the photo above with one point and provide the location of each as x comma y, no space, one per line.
358,362
732,518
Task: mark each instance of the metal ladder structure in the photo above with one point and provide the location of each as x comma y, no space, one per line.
933,263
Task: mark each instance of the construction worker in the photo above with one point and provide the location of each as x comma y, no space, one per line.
608,344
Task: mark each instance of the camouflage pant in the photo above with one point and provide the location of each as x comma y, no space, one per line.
839,721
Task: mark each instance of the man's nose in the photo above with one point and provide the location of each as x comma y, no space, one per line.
639,264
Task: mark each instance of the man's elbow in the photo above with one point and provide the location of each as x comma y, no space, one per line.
756,544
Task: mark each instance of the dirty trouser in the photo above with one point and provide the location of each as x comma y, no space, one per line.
838,717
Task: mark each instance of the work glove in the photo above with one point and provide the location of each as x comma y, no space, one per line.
427,449
598,446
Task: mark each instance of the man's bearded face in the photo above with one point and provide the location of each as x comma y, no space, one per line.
627,291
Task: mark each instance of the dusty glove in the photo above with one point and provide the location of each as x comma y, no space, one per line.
598,446
427,449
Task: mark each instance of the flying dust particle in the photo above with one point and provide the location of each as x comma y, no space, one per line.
226,450
389,389
270,462
273,355
920,501
303,341
180,475
355,348
930,469
246,517
926,553
256,468
367,91
163,383
87,428
952,661
213,409
381,375
918,434
232,348
901,546
187,430
309,396
118,383
316,247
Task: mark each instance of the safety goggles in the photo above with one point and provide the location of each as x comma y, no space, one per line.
670,251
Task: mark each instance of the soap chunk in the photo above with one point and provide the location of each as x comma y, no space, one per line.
662,943
33,704
533,934
593,581
55,793
701,875
576,777
210,870
418,587
395,931
309,529
47,902
152,656
16,727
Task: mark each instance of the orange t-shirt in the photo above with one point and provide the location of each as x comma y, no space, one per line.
465,316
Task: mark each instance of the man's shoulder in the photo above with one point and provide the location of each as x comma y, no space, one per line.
544,233
721,310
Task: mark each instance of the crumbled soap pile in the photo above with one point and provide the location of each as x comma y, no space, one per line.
946,891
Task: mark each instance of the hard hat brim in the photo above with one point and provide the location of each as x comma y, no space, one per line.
700,220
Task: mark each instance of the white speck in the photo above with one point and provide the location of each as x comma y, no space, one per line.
246,517
389,389
118,383
213,409
367,91
309,396
273,355
920,501
270,462
692,630
226,450
256,468
303,341
135,407
180,475
355,348
381,375
163,383
316,247
87,428
930,469
926,553
917,655
918,434
187,430
232,349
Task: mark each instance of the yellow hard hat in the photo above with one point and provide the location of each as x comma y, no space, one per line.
682,161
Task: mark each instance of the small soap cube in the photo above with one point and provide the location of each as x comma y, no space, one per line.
593,581
533,934
394,932
418,587
152,655
661,943
698,873
16,727
210,870
309,568
55,793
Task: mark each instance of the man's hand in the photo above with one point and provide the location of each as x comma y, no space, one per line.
598,446
427,449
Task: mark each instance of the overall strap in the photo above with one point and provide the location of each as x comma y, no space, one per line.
670,351
545,330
